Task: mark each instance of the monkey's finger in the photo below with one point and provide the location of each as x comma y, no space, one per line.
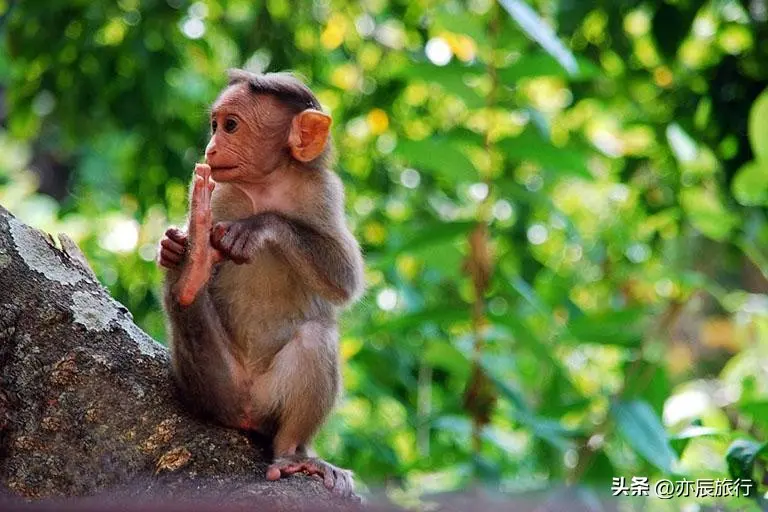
203,170
164,261
217,233
240,246
200,209
207,189
218,257
176,235
171,256
196,192
172,245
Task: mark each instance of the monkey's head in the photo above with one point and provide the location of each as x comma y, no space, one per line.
259,122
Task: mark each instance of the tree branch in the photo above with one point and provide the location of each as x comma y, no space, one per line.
87,406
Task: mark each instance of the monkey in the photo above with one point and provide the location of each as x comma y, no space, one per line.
255,283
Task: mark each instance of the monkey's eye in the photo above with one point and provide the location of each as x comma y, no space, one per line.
230,125
214,124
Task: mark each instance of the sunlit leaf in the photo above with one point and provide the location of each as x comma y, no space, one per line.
423,239
642,429
538,30
707,212
758,127
453,78
547,429
535,64
440,156
624,327
441,354
758,410
680,441
750,185
531,146
405,321
647,381
682,144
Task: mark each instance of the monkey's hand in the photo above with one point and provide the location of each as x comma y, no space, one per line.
173,246
338,480
239,240
200,256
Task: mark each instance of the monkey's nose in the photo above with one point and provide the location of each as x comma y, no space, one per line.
210,150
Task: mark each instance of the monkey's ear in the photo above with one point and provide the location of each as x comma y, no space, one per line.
309,134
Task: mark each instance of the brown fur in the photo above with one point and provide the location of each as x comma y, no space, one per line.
257,346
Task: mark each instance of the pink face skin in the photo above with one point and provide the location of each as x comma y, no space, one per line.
249,135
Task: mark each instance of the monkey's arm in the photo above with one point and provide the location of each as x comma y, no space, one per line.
332,266
198,255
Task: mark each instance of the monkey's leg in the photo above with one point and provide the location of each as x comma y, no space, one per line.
304,374
207,373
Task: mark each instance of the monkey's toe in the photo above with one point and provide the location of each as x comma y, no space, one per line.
338,480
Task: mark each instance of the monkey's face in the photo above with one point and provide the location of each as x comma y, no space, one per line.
249,135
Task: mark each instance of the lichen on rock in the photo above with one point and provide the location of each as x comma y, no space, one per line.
39,255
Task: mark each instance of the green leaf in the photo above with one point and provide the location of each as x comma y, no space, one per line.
599,470
423,238
707,212
682,144
750,185
538,30
647,381
439,155
542,64
625,327
533,147
473,26
758,410
445,257
443,355
758,126
741,457
406,321
546,429
452,78
642,429
680,441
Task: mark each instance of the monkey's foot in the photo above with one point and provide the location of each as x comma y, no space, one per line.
338,480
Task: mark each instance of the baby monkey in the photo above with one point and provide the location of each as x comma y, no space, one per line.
254,285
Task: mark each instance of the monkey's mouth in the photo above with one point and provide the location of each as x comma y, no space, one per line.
222,171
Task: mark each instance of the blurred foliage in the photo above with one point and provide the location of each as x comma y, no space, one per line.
617,151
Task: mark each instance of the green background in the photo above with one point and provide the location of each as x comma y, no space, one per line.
616,150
